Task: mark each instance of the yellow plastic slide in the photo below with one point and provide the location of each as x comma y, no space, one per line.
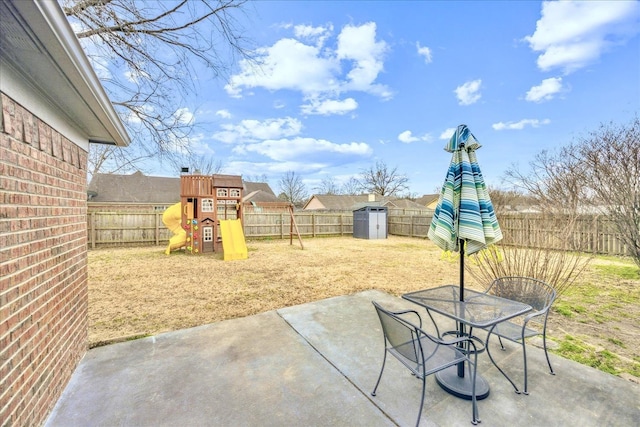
172,219
233,243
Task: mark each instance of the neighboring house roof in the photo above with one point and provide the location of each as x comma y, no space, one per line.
134,188
250,187
404,204
38,46
140,188
347,202
259,196
428,200
340,202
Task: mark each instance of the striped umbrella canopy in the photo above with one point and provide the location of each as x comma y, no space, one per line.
464,219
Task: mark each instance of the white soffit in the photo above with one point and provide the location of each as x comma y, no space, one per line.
36,38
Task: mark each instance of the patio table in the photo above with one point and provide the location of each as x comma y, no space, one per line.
476,310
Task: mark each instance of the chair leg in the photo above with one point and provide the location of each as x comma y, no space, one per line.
501,345
544,343
473,371
424,388
524,355
384,361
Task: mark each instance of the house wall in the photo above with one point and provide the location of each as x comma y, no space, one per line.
314,204
43,264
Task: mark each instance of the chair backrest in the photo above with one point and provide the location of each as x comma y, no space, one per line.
402,335
534,292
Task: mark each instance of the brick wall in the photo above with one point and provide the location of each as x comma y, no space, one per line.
43,264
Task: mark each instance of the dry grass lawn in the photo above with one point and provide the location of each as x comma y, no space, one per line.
142,291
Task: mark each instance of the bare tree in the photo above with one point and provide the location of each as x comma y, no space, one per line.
596,173
108,158
382,180
256,178
327,186
352,187
146,52
552,180
610,160
505,200
204,165
292,189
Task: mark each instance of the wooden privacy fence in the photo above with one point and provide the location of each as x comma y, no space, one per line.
589,233
146,228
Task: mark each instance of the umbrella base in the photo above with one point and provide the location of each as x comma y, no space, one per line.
450,382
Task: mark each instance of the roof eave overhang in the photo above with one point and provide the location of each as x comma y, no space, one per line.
50,56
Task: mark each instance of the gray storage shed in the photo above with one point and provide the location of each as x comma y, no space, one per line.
370,222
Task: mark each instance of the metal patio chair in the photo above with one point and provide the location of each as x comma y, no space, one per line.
538,295
424,354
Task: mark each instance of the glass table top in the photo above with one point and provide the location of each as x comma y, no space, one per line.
477,309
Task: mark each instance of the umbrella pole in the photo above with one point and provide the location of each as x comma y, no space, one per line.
461,328
461,245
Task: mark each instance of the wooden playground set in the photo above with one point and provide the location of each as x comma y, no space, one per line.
208,217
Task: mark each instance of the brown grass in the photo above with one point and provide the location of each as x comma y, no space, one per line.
142,291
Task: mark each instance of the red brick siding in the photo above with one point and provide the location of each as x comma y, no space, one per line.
43,264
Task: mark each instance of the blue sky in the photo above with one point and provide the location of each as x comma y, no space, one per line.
345,84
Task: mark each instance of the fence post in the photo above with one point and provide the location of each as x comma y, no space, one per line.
313,225
93,230
596,221
157,229
412,225
281,226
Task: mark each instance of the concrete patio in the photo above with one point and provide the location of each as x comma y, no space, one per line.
315,365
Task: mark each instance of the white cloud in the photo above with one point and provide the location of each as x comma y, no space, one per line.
572,34
424,51
136,75
225,114
359,44
288,64
307,149
184,116
352,65
255,130
447,133
143,110
407,137
520,125
329,106
198,145
468,93
317,34
271,168
545,91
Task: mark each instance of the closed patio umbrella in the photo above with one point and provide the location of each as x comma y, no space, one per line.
464,219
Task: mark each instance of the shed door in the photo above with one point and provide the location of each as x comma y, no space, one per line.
377,225
382,225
